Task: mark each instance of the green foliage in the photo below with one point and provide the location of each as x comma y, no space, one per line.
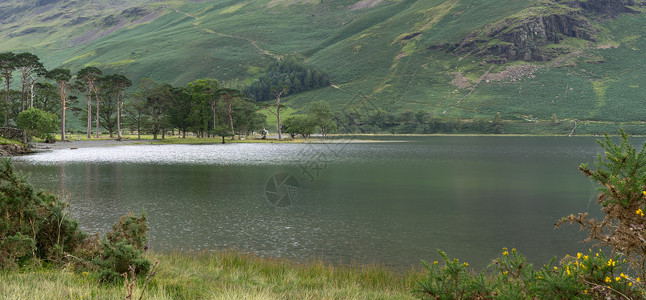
591,276
289,72
33,224
38,123
452,281
301,125
321,115
621,174
131,230
123,248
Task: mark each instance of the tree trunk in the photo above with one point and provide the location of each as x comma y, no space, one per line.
63,94
22,93
89,111
118,118
155,125
96,95
33,82
213,113
7,80
278,119
233,133
163,130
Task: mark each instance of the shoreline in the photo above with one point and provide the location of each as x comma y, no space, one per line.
335,138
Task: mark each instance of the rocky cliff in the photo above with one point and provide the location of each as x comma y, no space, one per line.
536,33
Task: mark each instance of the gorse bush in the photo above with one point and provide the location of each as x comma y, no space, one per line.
122,249
131,230
35,226
621,173
590,276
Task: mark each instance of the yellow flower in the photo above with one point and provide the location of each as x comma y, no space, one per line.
505,252
622,275
608,280
579,255
644,192
568,271
585,257
617,278
435,262
630,284
640,212
585,291
466,264
505,272
637,279
555,268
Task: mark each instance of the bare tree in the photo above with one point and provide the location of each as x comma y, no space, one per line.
278,92
118,83
62,77
87,77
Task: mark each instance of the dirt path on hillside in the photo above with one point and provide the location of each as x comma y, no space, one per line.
210,31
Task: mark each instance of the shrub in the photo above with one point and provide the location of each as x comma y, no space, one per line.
452,281
123,248
131,230
621,173
38,123
33,224
117,258
591,276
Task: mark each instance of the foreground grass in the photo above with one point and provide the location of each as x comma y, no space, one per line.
221,275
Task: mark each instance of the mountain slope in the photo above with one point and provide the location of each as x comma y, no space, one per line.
462,58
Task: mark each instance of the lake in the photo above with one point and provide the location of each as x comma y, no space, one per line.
392,202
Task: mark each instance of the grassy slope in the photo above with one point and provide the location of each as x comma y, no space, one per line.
365,54
222,275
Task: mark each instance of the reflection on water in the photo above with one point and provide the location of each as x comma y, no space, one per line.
391,203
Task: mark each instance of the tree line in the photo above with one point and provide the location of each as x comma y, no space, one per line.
203,107
413,122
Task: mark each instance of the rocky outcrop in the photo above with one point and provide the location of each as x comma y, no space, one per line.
12,149
531,34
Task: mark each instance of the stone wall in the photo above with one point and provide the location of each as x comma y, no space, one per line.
14,134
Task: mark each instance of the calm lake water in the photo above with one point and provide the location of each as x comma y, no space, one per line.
392,202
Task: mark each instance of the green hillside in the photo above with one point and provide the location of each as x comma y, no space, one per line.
467,58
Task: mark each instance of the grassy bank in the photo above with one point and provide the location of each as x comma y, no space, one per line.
221,275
